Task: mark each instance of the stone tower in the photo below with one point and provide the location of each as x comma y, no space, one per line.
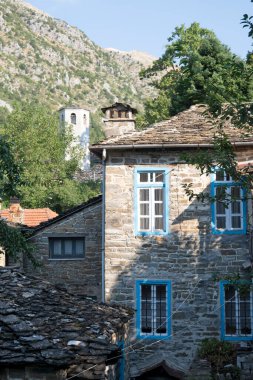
79,119
119,119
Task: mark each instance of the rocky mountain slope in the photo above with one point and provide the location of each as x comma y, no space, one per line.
46,59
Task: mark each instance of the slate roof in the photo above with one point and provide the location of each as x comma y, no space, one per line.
188,128
44,325
69,212
28,217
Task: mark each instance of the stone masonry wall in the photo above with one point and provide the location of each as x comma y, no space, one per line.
82,276
190,255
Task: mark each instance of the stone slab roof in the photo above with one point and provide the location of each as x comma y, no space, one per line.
188,128
43,325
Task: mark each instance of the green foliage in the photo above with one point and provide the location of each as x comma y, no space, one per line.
9,170
38,146
96,127
241,283
14,243
218,354
196,68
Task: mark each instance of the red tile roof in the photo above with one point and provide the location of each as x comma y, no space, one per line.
28,217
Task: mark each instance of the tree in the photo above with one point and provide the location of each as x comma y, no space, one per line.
38,146
195,68
9,170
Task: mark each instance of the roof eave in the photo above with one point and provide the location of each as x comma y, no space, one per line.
99,148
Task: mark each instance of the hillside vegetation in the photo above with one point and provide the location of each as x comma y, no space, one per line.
45,59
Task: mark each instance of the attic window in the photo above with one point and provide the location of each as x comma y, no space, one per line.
66,248
111,114
119,114
73,118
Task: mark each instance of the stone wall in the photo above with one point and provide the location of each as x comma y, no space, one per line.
190,255
81,276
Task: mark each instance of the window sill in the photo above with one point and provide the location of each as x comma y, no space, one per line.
61,259
157,233
229,232
154,337
237,338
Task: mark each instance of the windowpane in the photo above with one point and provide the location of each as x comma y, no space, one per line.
220,175
221,222
144,223
159,223
236,222
221,193
238,314
146,312
228,205
236,207
144,209
158,209
144,195
158,177
144,177
68,247
151,208
62,248
79,247
73,118
154,309
220,208
235,192
159,195
57,247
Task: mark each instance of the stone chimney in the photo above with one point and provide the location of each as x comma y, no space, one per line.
15,210
119,119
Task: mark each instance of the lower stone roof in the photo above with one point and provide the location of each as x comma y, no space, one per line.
44,325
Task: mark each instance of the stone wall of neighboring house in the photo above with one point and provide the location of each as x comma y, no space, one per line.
100,372
81,276
190,256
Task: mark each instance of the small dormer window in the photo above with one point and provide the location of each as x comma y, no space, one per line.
73,118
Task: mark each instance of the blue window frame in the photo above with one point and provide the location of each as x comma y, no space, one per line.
229,213
153,301
121,374
151,201
236,312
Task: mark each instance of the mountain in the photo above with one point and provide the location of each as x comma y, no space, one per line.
46,59
144,59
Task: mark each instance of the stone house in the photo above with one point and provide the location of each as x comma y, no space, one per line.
68,249
49,334
167,257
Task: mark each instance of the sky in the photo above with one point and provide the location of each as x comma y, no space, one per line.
145,25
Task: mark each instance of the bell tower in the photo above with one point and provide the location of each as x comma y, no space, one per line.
79,120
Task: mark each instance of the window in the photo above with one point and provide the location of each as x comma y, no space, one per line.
236,312
151,205
229,208
73,118
153,308
66,248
